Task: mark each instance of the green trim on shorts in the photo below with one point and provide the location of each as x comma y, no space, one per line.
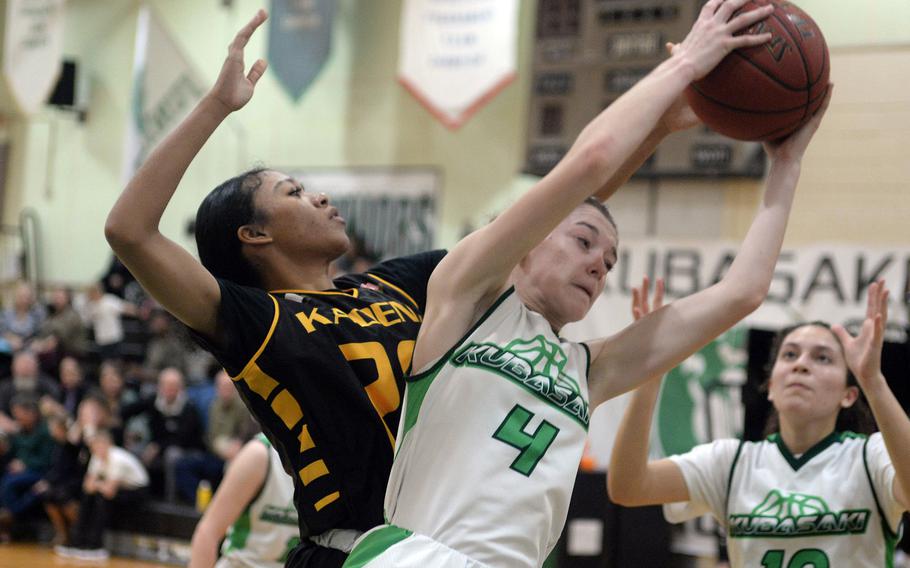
375,543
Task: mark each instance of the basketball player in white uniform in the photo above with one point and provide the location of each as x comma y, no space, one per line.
813,494
254,505
495,419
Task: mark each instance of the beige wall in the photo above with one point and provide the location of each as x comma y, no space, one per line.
855,185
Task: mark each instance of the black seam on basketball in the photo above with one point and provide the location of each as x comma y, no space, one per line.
764,72
745,110
773,134
797,45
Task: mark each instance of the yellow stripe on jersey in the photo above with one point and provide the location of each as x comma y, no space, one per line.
328,499
288,409
306,441
313,471
265,342
396,288
259,382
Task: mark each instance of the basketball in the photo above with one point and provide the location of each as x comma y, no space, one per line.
768,91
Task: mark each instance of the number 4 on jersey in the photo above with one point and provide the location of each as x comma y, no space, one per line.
531,447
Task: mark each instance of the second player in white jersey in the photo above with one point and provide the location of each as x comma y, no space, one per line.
266,530
525,392
253,510
832,506
814,493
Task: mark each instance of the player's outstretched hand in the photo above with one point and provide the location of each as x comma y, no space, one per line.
712,36
864,352
641,306
234,88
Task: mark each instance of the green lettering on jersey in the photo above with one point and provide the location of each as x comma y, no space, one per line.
782,514
536,365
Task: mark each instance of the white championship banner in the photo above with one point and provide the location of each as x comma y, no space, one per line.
455,55
32,50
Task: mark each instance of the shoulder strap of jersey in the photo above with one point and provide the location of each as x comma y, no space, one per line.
739,450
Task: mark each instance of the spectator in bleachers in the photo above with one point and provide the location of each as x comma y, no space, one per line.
165,346
93,415
60,489
26,379
102,311
72,385
175,428
28,454
63,332
115,478
113,389
230,425
20,322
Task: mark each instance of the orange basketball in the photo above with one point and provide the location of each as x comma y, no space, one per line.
768,91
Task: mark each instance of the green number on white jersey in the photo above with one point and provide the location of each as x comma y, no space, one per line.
532,447
806,558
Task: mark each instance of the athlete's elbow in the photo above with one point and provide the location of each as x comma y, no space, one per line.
622,493
597,158
122,233
742,300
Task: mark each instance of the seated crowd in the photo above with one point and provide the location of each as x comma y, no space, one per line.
105,402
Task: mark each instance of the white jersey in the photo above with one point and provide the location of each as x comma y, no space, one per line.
490,440
120,466
267,529
831,507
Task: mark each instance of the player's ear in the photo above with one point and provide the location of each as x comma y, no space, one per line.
253,235
850,397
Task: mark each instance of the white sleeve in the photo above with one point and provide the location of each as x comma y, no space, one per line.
115,304
881,470
95,467
706,469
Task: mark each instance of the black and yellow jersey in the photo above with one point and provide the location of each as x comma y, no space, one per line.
322,372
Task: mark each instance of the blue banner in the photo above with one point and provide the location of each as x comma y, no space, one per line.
300,37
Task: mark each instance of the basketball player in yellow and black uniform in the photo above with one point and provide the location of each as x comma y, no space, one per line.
320,363
323,372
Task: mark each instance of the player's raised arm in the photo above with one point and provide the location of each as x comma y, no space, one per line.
169,273
478,268
863,354
632,479
686,325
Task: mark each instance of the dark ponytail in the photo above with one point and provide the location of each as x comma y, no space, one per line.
224,210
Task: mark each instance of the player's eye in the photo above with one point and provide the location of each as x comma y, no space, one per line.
296,191
585,243
788,355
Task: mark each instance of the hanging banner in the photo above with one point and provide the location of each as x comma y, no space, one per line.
818,282
300,38
165,89
32,49
456,55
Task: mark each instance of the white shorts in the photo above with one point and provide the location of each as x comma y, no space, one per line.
388,546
